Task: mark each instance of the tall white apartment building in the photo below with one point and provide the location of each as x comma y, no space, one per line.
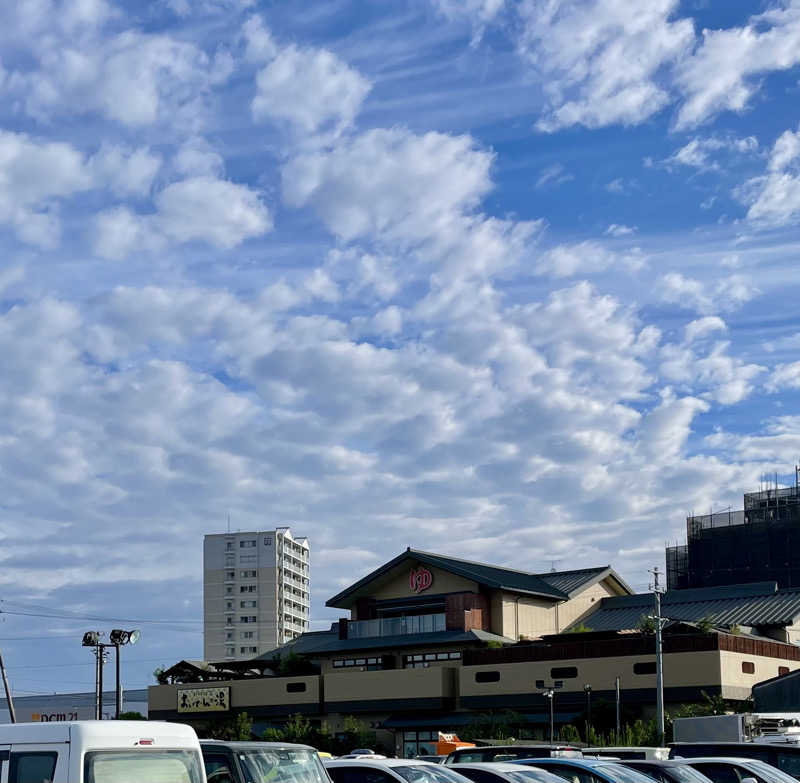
256,592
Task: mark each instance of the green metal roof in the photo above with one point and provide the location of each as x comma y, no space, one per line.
758,604
557,585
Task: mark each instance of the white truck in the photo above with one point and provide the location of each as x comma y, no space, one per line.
100,752
744,727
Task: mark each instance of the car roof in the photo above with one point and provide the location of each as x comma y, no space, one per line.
367,762
492,766
247,745
654,762
572,762
517,746
727,759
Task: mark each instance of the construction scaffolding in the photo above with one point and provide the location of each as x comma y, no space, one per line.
760,543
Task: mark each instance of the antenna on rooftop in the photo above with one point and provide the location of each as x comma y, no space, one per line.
229,521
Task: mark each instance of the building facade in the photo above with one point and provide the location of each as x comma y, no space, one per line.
256,592
431,642
759,543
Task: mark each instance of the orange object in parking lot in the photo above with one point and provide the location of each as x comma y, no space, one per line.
449,742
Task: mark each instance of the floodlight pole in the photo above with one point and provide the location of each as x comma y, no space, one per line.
657,590
119,684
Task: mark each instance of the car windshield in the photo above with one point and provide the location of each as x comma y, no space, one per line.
282,765
686,774
135,766
621,774
427,773
770,773
532,776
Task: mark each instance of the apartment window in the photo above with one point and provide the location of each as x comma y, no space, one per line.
748,667
228,621
229,546
248,559
229,561
540,683
564,672
248,618
229,604
248,604
248,634
248,574
247,544
230,575
783,670
267,541
248,588
228,590
229,651
228,636
644,667
295,687
487,676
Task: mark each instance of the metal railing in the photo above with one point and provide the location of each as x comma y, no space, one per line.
396,626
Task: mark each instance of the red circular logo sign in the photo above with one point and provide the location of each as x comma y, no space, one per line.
420,579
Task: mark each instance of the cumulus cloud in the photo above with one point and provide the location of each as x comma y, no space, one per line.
722,74
725,294
784,376
599,63
774,198
312,89
588,257
131,77
38,175
201,208
699,153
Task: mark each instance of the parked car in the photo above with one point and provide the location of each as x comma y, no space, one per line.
510,753
784,756
100,750
588,770
618,752
505,772
675,771
722,769
371,770
261,762
433,759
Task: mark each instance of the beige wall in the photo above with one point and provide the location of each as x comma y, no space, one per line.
244,693
680,669
399,684
537,616
737,684
396,586
571,611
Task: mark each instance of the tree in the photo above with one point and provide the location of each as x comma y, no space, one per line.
502,725
579,628
132,715
160,674
647,624
239,727
569,733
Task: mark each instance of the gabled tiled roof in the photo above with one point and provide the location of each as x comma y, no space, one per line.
557,585
757,604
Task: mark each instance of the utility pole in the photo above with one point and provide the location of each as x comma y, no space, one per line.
659,622
9,700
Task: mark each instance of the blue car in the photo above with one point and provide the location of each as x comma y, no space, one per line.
588,770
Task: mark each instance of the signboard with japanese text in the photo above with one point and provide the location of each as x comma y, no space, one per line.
204,699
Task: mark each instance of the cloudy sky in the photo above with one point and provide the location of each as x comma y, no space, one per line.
514,281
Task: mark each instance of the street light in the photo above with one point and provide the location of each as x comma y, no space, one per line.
549,694
118,638
587,689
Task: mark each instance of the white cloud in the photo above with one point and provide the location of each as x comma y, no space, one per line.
201,208
784,376
310,88
722,74
702,327
553,175
726,294
37,176
587,257
620,230
133,78
699,152
600,63
774,198
390,182
196,156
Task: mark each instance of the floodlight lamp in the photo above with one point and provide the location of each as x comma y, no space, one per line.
134,636
118,637
91,639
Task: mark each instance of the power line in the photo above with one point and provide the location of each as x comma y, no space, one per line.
126,621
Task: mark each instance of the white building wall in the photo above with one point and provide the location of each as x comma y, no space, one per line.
256,592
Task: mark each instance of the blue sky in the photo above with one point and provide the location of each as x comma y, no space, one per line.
514,281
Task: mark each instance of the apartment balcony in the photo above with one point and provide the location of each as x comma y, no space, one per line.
396,626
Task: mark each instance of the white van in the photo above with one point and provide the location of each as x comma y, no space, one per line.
107,751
